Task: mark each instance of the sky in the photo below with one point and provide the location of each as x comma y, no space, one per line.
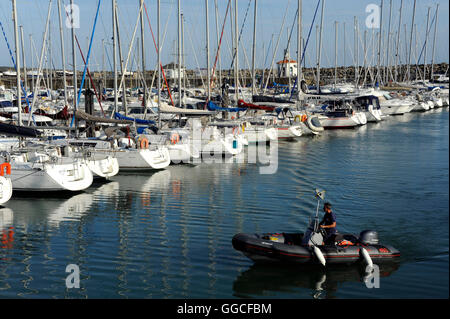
32,16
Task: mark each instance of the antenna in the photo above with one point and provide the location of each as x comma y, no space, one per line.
320,195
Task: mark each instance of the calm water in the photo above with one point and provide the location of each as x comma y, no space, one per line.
168,234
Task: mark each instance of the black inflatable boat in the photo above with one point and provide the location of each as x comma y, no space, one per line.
292,248
309,247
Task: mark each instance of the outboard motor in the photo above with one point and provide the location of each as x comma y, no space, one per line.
369,237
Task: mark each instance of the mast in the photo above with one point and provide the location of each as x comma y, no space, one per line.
103,63
122,69
254,48
144,97
388,57
299,50
207,50
159,62
114,53
345,58
50,69
410,41
182,54
426,44
379,45
335,53
16,40
32,63
434,41
356,51
74,63
63,56
236,48
398,42
320,47
179,55
24,62
218,52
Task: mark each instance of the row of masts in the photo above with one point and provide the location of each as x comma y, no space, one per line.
382,74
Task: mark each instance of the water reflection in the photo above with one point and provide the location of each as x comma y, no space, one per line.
264,280
6,229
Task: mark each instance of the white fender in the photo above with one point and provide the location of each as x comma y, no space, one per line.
319,255
367,258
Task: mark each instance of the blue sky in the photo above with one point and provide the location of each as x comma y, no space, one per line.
32,15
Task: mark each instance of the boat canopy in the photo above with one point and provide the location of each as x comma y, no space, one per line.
268,108
119,116
16,130
214,107
165,108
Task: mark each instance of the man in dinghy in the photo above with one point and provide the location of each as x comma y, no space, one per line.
328,223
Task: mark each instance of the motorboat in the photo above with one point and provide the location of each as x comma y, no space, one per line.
370,106
309,247
340,118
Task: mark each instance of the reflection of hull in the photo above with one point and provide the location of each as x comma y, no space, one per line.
6,218
143,183
261,280
5,189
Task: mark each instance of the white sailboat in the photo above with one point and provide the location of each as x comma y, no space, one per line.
34,171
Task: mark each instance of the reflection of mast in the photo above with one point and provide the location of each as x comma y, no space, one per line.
124,219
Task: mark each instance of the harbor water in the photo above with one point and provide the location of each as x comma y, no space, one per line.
167,234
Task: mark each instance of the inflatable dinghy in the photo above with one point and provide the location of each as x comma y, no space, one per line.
297,248
310,248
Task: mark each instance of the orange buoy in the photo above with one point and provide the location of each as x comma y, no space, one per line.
2,169
143,144
175,138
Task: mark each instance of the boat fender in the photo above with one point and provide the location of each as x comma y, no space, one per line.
5,167
319,255
365,255
303,86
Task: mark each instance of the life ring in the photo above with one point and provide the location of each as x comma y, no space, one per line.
2,169
304,118
143,143
175,138
298,118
